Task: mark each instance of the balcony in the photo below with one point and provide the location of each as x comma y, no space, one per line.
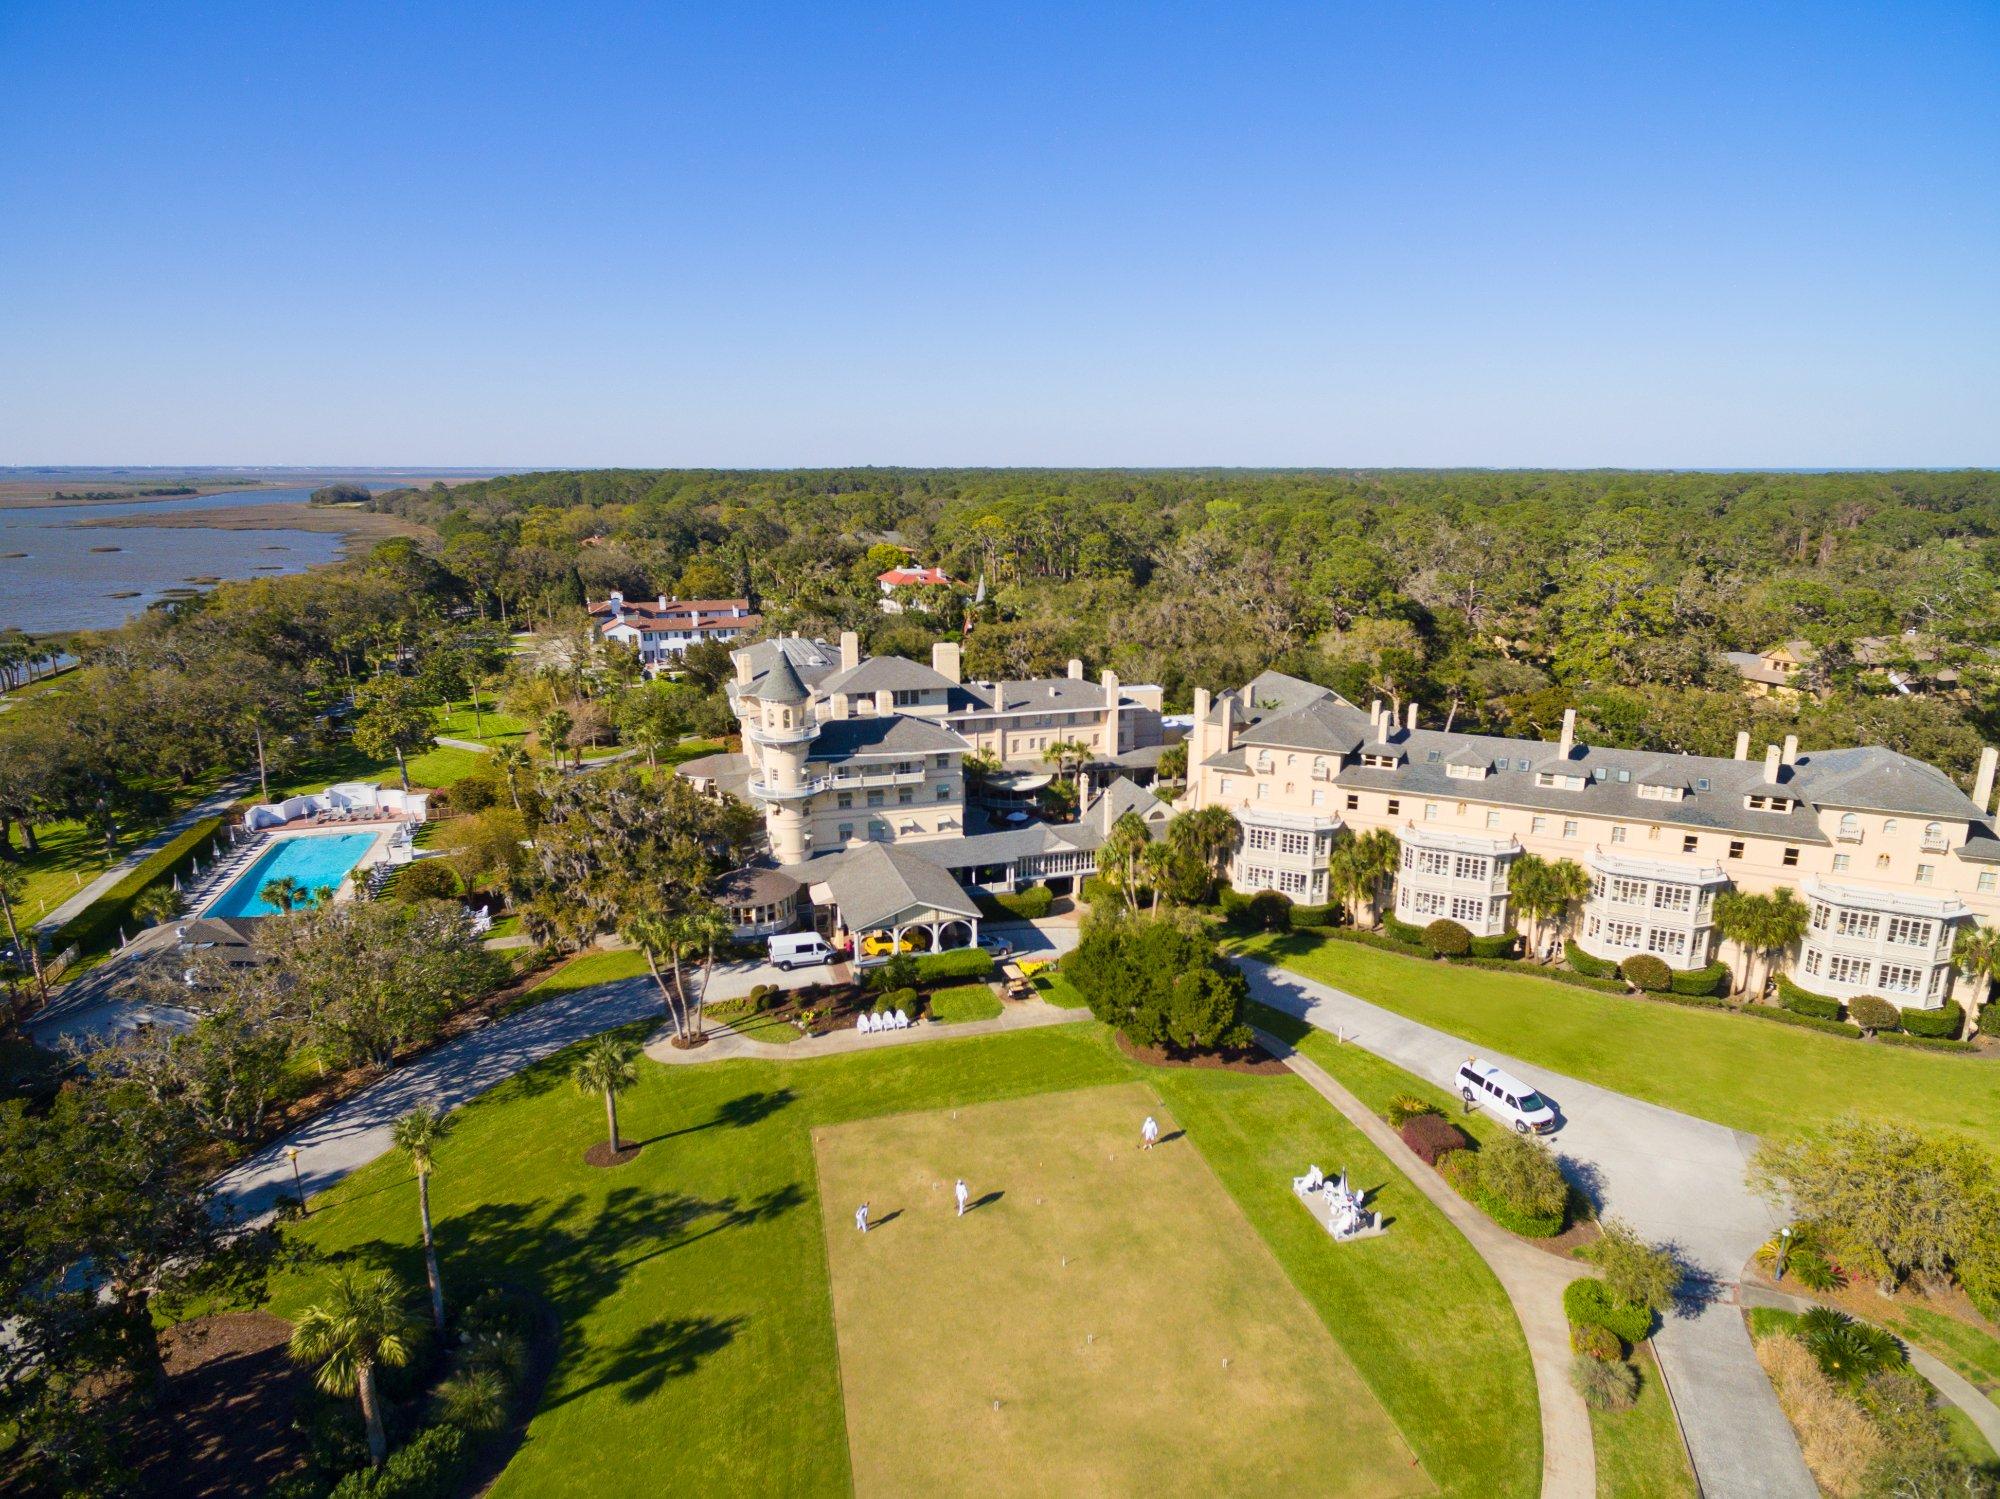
767,791
803,734
1848,835
1936,843
848,782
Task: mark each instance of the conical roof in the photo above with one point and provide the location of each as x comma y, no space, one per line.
782,685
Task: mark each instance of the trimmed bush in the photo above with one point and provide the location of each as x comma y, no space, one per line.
1647,973
896,999
1583,963
1873,1013
1024,905
1403,932
1447,938
1315,916
1269,911
1925,1043
959,963
1605,1386
1989,1019
1941,1024
428,1466
1432,1136
1804,1022
1587,1303
1095,892
426,879
1502,946
1523,1174
1805,1002
1379,940
1593,1341
96,925
1709,980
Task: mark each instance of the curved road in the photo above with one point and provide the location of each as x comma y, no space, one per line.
1675,1179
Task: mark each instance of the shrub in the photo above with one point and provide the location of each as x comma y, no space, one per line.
1593,1341
1432,1136
1943,1023
473,793
426,879
1648,973
1924,1043
1522,1174
1583,963
900,972
1447,938
896,999
1024,905
1315,916
1989,1019
1635,1272
959,963
761,997
1160,980
1381,941
1588,1303
1604,1386
1845,1349
1406,1106
1403,932
1503,946
428,1466
1804,1022
1703,981
96,925
1268,911
1873,1013
1839,1443
1805,1002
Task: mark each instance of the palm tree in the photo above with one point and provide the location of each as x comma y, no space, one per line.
555,727
1361,866
158,903
418,1134
1118,856
1157,861
360,1327
1209,834
1067,755
13,884
1976,954
512,760
1762,926
1570,881
284,893
606,1067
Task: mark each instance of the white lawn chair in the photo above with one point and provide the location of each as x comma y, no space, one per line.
902,1021
1311,1182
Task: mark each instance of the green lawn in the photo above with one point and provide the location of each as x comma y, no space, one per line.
603,966
1738,1071
699,1349
1639,1451
965,1002
490,727
1059,991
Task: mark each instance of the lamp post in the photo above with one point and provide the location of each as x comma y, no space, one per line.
1784,1250
292,1155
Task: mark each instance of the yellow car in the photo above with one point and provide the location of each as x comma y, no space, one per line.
882,945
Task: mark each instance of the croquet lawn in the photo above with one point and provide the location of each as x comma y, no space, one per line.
705,1290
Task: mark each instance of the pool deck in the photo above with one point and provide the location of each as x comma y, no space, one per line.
374,854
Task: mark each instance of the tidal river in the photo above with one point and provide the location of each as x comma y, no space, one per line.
73,577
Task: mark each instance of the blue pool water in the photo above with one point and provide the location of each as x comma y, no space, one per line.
318,861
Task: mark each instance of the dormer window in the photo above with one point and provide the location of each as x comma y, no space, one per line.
1759,803
1561,780
1648,791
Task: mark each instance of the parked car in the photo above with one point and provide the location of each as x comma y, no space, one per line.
1505,1096
1000,947
801,950
880,945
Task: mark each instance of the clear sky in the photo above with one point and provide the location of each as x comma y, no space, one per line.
736,234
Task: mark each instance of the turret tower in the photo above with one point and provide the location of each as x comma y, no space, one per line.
778,731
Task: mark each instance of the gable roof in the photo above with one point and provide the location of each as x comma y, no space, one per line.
888,674
877,884
883,734
1118,798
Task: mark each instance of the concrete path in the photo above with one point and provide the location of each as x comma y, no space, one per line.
1675,1179
351,1134
1949,1383
463,744
210,806
724,1044
1532,1279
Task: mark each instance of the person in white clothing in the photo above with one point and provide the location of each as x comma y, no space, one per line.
961,1194
1149,1132
861,1217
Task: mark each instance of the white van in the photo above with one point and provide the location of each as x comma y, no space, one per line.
801,950
1505,1095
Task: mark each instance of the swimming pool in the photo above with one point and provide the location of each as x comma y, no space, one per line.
318,861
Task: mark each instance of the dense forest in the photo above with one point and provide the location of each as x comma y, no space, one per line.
1495,598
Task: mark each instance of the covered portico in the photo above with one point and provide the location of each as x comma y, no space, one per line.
880,891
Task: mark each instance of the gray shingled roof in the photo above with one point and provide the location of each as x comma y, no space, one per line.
731,773
1008,845
889,734
755,885
1115,800
811,660
888,674
875,885
1870,778
1048,694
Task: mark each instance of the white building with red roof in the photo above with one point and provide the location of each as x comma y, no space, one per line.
662,629
897,579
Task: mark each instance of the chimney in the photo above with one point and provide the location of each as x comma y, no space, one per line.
1198,733
1228,724
663,603
1075,669
850,650
999,697
1982,789
1385,721
1791,751
742,660
1111,722
945,660
1742,744
1568,741
1374,713
1774,759
1413,718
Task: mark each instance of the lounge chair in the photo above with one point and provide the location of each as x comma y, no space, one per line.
864,1022
902,1021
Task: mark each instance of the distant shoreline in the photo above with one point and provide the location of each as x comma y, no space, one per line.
25,496
359,529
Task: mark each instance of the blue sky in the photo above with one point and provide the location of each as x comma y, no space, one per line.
1410,234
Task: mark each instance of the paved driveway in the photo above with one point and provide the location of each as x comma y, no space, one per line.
1674,1178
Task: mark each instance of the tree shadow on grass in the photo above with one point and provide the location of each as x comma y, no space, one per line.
741,1112
652,1356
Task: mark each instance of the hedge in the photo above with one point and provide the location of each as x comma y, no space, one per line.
1025,905
1700,981
1433,1137
428,1466
1925,1043
1585,964
1502,946
1805,1002
1381,941
1804,1022
959,963
96,926
1942,1024
1554,975
1588,1304
1316,916
1403,931
1989,1018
